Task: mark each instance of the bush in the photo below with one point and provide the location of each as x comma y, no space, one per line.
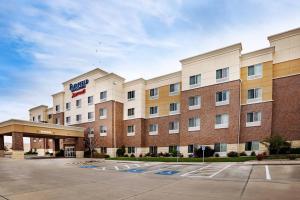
232,154
217,155
153,155
141,155
47,153
208,152
161,154
295,151
167,155
253,153
30,153
260,157
132,156
147,155
276,144
99,155
121,151
292,157
191,155
125,155
243,153
61,153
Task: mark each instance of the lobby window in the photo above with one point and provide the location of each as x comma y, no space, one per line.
195,80
222,74
254,71
173,148
131,95
103,95
153,93
78,103
90,100
221,121
220,147
39,118
153,150
130,112
222,98
253,119
57,108
131,149
90,116
103,150
254,95
103,113
68,120
153,129
174,89
174,108
68,106
103,130
194,102
252,146
173,127
153,111
191,148
78,118
194,124
130,130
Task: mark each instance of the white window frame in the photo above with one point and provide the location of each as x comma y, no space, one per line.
252,149
92,101
92,116
102,131
255,99
224,102
198,124
174,112
193,107
222,79
154,114
57,108
130,116
254,122
176,129
197,83
101,94
68,121
104,112
68,106
79,105
224,121
222,149
258,72
154,132
176,87
131,133
155,96
80,118
129,95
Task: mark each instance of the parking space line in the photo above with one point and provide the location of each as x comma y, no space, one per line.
268,175
117,168
137,165
103,168
127,166
219,171
195,170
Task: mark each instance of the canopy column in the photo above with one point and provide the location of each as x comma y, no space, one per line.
17,146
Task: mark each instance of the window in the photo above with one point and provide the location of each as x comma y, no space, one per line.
173,148
154,110
103,130
253,119
56,120
153,150
131,95
195,80
103,150
191,148
130,112
174,88
49,116
68,106
57,108
103,95
90,100
220,147
90,115
103,113
252,146
39,118
130,130
153,129
254,95
153,93
254,71
68,120
78,103
194,124
33,119
222,74
78,118
221,121
173,127
194,102
131,149
174,108
222,98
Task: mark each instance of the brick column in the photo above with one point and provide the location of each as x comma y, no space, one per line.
17,146
79,147
55,144
1,146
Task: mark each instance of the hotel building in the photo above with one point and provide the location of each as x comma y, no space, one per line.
223,99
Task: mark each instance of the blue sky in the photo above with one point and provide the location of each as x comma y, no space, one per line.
44,43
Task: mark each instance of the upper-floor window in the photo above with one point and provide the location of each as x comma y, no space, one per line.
153,129
57,120
254,71
174,108
194,102
68,120
78,103
33,119
153,93
103,95
222,74
68,106
174,127
195,80
103,113
49,116
194,124
57,108
222,97
90,100
254,95
39,118
131,95
78,118
253,119
90,115
130,112
174,88
221,121
130,130
103,130
154,110
220,147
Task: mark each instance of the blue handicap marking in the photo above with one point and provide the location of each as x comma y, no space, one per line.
135,170
88,166
167,172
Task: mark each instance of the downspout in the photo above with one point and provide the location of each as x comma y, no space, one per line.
114,127
239,123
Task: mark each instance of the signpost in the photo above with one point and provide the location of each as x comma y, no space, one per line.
203,149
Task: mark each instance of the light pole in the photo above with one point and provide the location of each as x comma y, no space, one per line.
90,136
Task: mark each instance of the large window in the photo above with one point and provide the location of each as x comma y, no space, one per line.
153,150
68,120
252,146
130,130
174,108
194,102
221,121
153,93
90,115
57,108
222,97
153,110
131,149
174,88
253,119
254,95
254,71
220,147
78,118
90,100
173,148
103,113
103,95
130,112
130,95
153,129
222,74
103,130
194,124
191,148
78,103
195,80
68,106
174,127
103,150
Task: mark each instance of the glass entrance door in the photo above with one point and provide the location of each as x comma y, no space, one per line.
69,151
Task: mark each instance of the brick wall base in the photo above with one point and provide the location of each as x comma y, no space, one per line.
17,154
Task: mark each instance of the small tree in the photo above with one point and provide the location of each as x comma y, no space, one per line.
121,151
274,143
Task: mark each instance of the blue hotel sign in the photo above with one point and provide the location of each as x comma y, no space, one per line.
78,86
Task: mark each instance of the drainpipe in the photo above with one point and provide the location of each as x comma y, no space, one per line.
239,124
114,127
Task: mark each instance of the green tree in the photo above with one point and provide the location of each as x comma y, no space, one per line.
274,143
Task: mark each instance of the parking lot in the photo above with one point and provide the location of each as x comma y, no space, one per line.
99,179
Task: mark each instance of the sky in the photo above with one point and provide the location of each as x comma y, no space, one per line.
44,43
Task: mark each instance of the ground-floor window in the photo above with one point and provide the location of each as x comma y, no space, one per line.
191,148
220,147
103,150
153,149
252,146
173,148
131,149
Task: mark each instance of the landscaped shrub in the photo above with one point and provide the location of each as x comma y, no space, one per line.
260,157
147,155
208,152
30,153
217,155
121,151
243,153
125,155
47,153
191,155
99,155
132,155
292,156
253,153
61,153
161,154
232,154
153,155
141,155
295,151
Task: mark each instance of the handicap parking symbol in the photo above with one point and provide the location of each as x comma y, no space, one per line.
88,166
135,170
167,172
